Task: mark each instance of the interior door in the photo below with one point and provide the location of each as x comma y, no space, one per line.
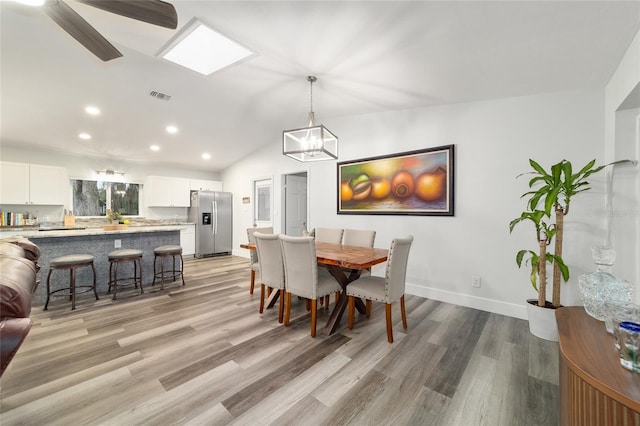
295,193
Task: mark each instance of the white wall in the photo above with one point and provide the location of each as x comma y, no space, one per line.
622,141
494,141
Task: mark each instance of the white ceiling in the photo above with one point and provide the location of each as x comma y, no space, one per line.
368,57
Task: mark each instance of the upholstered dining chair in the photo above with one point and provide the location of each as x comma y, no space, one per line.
271,268
358,237
303,277
253,256
329,235
387,289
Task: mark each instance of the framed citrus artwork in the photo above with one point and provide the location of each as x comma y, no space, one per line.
408,183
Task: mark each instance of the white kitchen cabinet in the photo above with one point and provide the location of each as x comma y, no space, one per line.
22,183
188,240
205,185
48,184
165,191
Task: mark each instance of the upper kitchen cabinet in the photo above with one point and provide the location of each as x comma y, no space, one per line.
165,191
205,185
22,183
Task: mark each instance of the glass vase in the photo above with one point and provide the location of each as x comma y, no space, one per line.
601,285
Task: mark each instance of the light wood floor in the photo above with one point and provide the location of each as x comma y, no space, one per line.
202,355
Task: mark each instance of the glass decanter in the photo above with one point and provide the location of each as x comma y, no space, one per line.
601,285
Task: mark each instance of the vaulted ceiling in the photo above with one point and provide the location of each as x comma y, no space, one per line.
368,57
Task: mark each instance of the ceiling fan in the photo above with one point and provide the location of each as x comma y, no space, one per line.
154,12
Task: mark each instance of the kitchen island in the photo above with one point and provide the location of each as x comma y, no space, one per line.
99,243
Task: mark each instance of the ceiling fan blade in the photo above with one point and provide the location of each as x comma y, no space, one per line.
154,12
80,29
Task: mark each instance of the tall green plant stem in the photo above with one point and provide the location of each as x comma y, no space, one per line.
560,214
542,273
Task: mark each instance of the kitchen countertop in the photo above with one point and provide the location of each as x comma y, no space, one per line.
34,233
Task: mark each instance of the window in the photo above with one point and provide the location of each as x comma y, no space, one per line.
93,198
262,212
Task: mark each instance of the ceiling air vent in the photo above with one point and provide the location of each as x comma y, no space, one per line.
159,95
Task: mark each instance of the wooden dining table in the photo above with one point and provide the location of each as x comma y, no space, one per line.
345,264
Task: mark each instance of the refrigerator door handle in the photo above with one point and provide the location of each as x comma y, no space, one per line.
214,207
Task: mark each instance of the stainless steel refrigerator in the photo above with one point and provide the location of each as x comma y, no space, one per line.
211,212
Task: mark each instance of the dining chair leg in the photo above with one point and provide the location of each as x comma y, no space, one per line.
389,325
281,306
337,297
287,309
307,304
368,308
402,311
314,315
261,298
326,301
351,308
253,280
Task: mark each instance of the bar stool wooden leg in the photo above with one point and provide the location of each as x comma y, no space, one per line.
46,305
162,271
174,267
155,258
141,275
95,286
73,288
182,269
115,282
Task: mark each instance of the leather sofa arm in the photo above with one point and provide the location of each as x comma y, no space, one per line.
13,331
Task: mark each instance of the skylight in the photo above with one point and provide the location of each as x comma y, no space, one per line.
202,49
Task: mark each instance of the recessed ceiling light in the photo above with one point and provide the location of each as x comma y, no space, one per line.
85,136
202,49
172,129
91,110
154,148
206,156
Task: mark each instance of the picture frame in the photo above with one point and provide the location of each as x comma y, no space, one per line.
417,182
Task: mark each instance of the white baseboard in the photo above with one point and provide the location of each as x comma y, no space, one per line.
240,252
481,303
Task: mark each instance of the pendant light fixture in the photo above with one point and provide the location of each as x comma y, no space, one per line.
312,143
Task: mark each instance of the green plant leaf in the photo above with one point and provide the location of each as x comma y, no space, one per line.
564,269
556,170
588,167
551,199
537,167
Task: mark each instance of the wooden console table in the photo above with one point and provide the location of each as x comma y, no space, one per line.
594,388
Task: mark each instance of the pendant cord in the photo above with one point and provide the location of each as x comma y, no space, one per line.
311,96
311,79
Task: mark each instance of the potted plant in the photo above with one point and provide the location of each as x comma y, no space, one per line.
114,217
550,193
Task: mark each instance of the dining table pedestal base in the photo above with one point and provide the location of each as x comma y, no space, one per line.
344,280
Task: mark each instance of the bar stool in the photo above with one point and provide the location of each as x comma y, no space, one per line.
162,252
71,262
121,256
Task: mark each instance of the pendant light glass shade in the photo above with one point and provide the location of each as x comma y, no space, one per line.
312,143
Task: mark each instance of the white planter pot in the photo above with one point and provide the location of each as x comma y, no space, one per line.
542,321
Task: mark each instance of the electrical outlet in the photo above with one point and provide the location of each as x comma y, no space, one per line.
117,243
475,282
